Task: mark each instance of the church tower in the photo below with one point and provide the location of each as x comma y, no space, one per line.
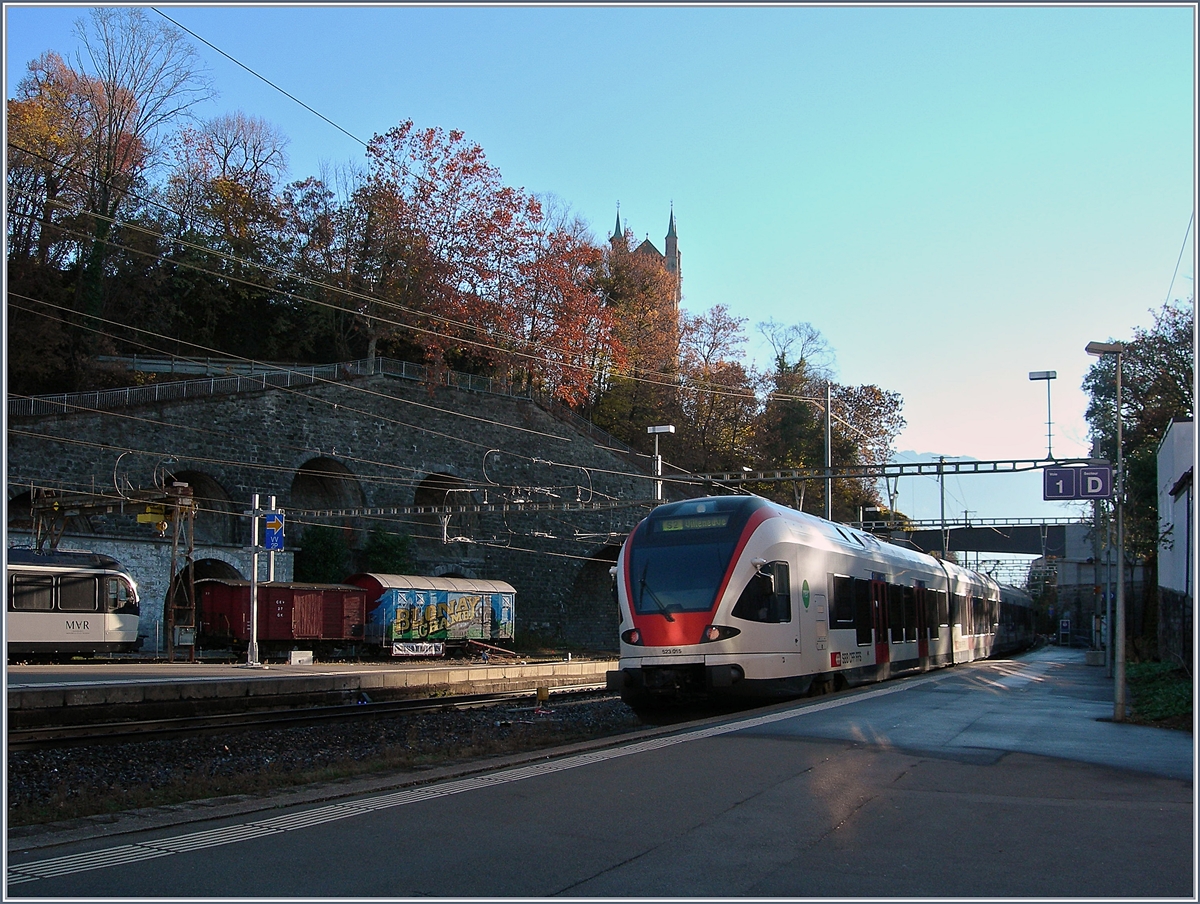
671,261
673,258
618,235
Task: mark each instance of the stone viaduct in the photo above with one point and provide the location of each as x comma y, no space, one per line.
543,500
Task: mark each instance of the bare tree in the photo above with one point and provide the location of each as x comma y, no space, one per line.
799,348
145,76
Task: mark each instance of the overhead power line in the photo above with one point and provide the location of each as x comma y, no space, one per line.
262,78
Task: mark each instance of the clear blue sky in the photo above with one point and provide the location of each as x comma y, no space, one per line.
953,196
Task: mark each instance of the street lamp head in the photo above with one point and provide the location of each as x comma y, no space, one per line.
662,428
1104,348
1043,374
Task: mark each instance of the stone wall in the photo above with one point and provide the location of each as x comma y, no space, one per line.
351,454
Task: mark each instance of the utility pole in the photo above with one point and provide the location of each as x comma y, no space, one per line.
1099,349
658,431
252,647
828,451
942,493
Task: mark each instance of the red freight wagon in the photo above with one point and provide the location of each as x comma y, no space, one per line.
287,613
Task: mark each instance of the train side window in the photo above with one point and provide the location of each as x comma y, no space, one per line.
842,611
910,613
31,593
118,596
77,593
934,603
862,612
895,595
767,597
978,616
943,613
960,614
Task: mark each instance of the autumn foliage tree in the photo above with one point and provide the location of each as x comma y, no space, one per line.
717,401
1157,370
639,383
134,226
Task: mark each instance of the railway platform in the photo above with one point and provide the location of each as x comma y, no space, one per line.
40,695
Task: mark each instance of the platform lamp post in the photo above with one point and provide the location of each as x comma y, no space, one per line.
1046,375
657,432
1099,349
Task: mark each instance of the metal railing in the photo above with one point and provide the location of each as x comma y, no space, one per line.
255,378
227,376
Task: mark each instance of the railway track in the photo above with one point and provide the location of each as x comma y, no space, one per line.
155,729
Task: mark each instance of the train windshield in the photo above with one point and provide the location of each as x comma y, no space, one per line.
679,555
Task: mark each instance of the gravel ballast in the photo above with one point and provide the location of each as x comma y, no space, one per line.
52,785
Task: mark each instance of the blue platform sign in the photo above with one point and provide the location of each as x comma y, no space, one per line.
1059,483
1062,484
273,537
1095,483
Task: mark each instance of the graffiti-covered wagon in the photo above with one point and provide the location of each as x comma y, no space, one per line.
409,615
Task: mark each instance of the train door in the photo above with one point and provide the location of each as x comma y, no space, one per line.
880,609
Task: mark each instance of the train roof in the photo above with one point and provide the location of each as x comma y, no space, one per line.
383,582
59,559
837,536
293,585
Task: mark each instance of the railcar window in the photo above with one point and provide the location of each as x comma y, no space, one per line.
862,612
939,612
77,593
960,613
31,593
761,602
119,596
910,613
895,598
842,610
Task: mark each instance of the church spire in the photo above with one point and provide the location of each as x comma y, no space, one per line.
674,260
618,235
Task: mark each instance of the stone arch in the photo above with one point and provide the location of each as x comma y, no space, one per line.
594,619
18,513
325,483
441,489
202,568
217,517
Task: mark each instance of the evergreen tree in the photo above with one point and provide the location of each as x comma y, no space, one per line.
323,557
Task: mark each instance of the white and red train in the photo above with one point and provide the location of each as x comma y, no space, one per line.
737,596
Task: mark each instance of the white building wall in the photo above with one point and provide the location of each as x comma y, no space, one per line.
1176,454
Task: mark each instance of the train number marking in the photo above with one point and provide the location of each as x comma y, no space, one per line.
672,650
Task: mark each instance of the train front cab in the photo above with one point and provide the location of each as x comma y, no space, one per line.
62,604
700,617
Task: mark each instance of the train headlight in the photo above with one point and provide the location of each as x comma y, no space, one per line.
632,636
718,632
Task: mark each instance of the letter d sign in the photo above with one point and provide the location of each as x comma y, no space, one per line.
1095,483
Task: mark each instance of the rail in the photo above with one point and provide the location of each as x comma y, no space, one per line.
182,726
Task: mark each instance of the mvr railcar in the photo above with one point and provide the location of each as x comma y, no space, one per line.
737,596
69,604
